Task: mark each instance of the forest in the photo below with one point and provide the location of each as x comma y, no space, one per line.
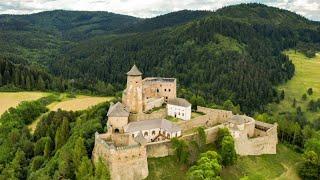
59,148
214,55
231,59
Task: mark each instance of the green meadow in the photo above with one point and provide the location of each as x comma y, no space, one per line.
307,75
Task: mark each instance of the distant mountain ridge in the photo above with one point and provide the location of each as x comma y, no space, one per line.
233,53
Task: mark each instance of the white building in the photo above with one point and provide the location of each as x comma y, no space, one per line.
153,130
179,108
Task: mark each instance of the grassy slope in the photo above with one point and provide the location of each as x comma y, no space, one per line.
280,166
307,75
12,99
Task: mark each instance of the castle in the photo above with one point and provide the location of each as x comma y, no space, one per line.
134,134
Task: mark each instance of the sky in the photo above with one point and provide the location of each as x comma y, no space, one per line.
151,8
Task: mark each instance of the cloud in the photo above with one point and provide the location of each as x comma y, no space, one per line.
150,8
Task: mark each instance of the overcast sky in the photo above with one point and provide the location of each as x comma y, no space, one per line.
150,8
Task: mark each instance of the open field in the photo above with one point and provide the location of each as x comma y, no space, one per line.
81,102
281,166
12,99
307,75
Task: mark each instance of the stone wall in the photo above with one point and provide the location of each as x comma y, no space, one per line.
160,114
263,143
159,149
211,118
153,103
164,148
121,159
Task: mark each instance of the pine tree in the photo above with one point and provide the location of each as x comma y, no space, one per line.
101,170
41,84
28,83
6,77
58,139
85,169
47,148
1,82
62,134
16,77
79,151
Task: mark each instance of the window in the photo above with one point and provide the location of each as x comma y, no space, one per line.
116,130
166,97
145,133
165,89
133,135
158,90
169,90
153,133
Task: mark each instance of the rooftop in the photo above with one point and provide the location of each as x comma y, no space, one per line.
152,124
159,79
179,102
118,110
239,119
134,71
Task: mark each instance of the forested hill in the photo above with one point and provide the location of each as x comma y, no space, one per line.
234,53
70,25
167,20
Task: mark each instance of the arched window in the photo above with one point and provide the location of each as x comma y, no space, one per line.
158,90
168,135
146,133
165,89
169,90
153,133
116,130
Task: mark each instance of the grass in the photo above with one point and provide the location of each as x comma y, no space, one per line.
173,119
166,168
280,166
13,99
196,114
307,75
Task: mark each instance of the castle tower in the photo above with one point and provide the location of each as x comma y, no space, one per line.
118,116
132,95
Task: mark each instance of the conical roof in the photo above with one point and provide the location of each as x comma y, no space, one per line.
134,71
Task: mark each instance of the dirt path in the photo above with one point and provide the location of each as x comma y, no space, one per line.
289,174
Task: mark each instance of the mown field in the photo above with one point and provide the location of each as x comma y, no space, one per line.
281,166
64,102
78,103
12,99
307,75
